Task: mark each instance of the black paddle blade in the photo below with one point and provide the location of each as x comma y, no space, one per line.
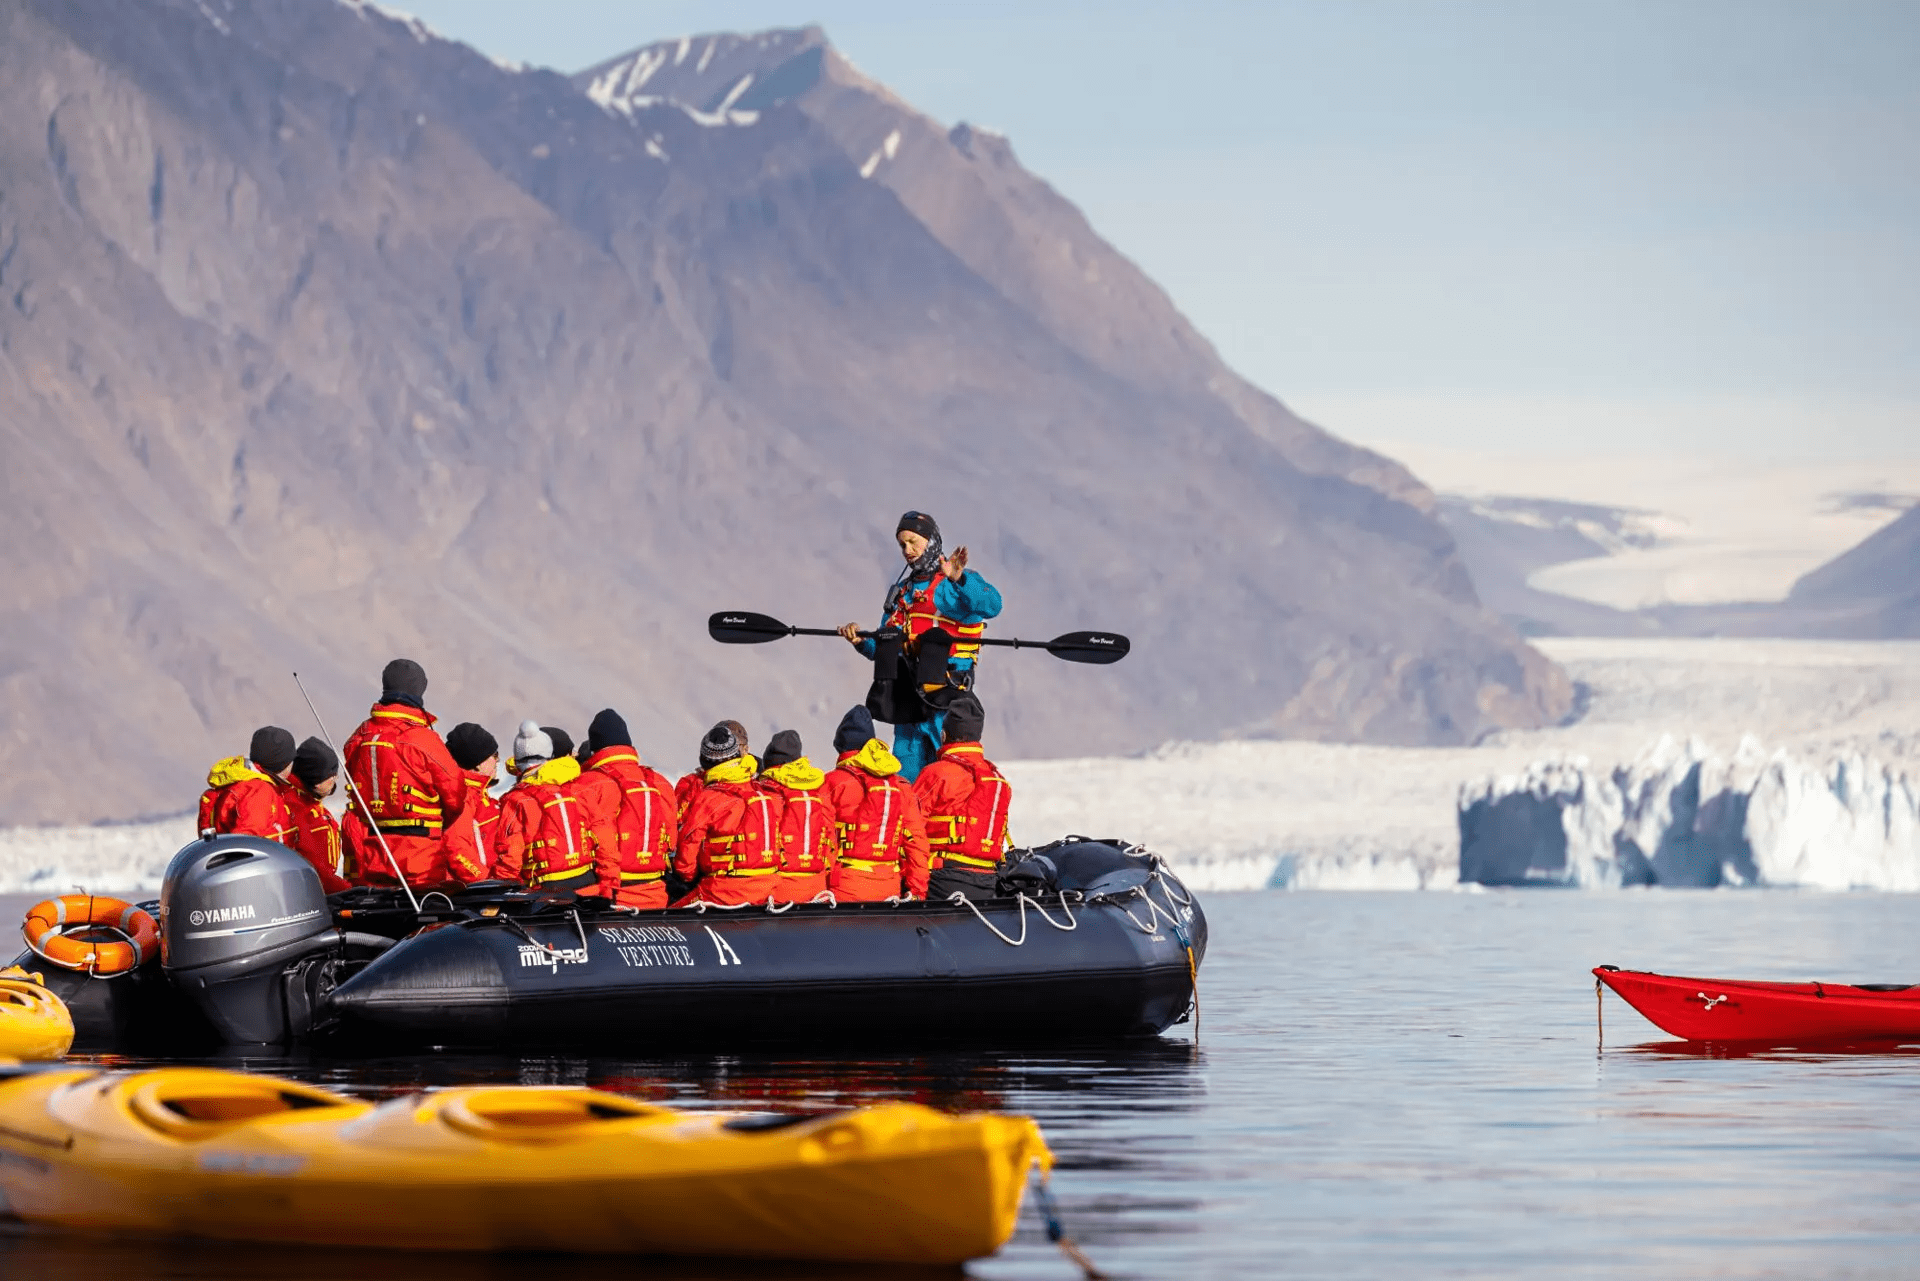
1090,647
743,627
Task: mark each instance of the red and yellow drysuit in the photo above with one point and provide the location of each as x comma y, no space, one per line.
964,799
809,830
410,783
315,832
883,843
242,800
731,838
639,805
470,838
548,836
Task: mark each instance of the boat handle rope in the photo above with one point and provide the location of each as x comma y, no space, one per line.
1023,900
550,950
1154,911
1057,1232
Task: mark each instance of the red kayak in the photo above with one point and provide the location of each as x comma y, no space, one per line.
1783,1013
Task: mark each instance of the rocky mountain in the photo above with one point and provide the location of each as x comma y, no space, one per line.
324,339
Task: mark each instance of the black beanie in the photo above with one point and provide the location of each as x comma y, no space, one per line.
965,719
607,730
856,727
406,678
783,748
470,744
722,743
271,748
920,523
315,763
562,741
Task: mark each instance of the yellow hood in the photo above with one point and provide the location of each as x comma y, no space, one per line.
875,759
740,769
800,775
561,769
234,769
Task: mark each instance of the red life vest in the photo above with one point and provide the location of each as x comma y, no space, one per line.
749,846
807,829
870,837
915,613
647,819
561,849
401,799
975,835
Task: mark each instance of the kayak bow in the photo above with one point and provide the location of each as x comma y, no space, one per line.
1697,1009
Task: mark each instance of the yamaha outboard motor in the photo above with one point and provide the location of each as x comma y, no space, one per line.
238,915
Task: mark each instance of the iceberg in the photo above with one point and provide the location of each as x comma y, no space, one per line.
1682,815
111,858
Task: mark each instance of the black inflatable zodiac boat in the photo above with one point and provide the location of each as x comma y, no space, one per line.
1089,939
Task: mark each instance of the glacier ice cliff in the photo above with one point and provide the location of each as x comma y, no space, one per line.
1682,815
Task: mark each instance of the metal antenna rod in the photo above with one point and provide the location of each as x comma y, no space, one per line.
354,792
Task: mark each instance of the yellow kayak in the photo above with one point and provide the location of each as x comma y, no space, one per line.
34,1023
231,1156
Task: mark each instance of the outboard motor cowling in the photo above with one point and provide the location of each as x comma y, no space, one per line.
235,913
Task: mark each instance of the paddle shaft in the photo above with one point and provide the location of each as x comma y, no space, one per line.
977,640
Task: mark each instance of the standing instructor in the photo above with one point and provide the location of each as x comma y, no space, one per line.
933,591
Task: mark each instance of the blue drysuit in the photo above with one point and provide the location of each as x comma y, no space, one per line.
971,600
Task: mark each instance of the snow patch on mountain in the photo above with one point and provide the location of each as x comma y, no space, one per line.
418,29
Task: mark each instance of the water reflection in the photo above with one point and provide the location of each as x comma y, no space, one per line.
27,1253
1816,1053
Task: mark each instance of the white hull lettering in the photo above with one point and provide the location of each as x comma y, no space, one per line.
553,960
641,934
722,948
647,955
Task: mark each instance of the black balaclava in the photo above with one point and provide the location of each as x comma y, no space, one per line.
608,730
965,719
562,741
469,744
271,748
929,560
403,681
856,727
782,749
314,764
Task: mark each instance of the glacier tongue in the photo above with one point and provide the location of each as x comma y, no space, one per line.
1682,815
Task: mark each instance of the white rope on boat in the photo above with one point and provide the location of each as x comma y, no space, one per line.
1023,901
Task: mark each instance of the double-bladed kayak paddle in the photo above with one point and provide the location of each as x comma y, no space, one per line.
743,627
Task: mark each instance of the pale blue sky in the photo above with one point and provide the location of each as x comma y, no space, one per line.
1448,223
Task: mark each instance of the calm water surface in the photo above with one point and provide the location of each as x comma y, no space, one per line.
1384,1085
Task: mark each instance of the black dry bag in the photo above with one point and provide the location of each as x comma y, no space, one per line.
893,698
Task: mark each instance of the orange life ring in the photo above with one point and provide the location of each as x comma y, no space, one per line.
48,923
